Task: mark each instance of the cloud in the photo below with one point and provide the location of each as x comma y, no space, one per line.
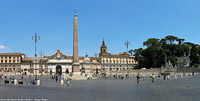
2,47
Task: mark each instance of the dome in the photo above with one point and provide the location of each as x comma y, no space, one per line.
86,59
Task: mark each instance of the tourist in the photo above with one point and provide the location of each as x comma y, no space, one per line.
1,76
126,76
138,78
153,77
6,78
29,77
67,82
116,76
62,77
193,73
56,78
143,76
158,76
22,78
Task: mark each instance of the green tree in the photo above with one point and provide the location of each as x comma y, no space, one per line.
170,38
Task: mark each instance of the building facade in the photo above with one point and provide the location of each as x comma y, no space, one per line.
10,63
115,62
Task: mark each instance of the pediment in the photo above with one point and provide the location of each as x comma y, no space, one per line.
58,55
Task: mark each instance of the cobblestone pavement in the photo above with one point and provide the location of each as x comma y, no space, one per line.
182,89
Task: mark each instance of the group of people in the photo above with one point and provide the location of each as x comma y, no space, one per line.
138,77
61,77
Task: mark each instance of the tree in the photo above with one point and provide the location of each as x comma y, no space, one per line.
170,38
152,42
180,41
131,51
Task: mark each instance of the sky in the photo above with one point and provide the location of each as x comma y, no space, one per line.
115,21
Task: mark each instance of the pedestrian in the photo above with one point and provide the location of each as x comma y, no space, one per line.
126,76
6,78
67,82
158,76
193,73
1,76
56,78
143,76
29,77
153,77
138,78
22,78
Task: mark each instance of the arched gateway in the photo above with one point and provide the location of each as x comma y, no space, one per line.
58,70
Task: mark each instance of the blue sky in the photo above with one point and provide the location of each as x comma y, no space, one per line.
114,20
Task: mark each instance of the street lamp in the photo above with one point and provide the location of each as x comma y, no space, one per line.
127,43
35,38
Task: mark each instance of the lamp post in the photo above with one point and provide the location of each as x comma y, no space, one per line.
35,38
127,43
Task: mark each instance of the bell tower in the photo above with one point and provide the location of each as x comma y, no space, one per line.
103,49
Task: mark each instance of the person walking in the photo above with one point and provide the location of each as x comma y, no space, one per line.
158,76
138,78
1,76
153,77
143,76
56,78
67,82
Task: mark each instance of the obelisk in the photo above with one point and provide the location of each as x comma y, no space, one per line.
75,65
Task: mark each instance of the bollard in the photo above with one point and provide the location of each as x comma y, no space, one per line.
38,82
175,76
186,75
168,77
15,82
181,76
62,83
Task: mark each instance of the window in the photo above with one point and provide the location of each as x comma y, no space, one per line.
110,68
9,57
17,61
17,57
5,61
2,58
13,57
5,57
1,61
13,61
5,65
9,61
110,61
103,61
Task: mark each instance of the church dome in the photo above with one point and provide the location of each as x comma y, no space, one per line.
86,59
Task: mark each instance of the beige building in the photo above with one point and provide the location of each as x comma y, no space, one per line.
10,63
90,65
115,62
